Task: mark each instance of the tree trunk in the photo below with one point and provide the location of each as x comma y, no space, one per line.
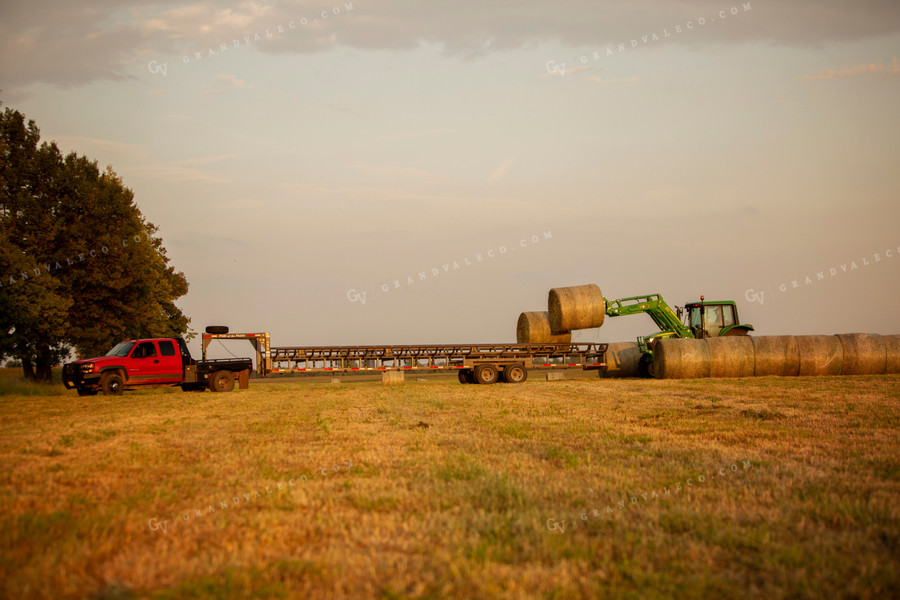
44,366
28,370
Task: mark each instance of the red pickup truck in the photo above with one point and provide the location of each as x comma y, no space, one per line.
155,362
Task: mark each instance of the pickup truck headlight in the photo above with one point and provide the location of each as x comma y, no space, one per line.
87,368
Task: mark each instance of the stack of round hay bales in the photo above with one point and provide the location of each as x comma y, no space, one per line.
731,356
820,355
622,360
576,307
534,328
776,355
681,358
863,354
891,353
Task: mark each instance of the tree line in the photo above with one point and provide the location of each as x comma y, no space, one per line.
80,267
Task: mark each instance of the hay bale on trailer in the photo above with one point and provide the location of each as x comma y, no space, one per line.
820,355
622,360
863,354
534,328
731,356
576,307
681,358
776,355
891,353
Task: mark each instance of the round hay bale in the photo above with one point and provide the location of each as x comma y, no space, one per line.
776,355
891,353
534,328
622,360
863,354
577,307
820,355
681,359
731,356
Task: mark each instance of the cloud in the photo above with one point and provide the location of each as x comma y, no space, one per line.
135,159
891,69
68,43
500,172
224,83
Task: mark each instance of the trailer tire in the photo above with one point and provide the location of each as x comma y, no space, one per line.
514,373
463,376
112,383
216,329
486,374
221,381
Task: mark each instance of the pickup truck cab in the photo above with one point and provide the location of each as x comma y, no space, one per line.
156,362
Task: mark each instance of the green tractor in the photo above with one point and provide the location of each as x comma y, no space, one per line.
695,320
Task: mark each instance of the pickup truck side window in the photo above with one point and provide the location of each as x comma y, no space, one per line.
144,350
166,348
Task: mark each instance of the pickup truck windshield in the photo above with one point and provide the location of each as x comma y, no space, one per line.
121,349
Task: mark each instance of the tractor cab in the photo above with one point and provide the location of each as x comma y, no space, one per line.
714,319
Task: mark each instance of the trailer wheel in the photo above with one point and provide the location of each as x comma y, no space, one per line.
221,381
515,373
486,374
463,376
112,383
215,329
470,377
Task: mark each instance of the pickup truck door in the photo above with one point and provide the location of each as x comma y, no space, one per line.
149,365
171,369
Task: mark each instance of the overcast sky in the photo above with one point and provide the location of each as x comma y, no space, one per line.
302,157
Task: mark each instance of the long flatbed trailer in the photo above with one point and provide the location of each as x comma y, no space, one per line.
474,363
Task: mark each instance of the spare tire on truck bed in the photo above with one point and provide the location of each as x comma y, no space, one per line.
216,329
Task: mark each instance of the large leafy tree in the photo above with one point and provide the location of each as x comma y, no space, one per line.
80,267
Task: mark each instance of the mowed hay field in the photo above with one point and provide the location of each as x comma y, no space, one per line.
743,488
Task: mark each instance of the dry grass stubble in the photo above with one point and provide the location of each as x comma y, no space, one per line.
435,489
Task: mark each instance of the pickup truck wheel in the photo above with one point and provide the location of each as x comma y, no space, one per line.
112,383
486,374
515,373
86,392
221,381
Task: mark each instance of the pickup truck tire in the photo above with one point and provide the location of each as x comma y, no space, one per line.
217,329
112,383
221,381
486,374
514,373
